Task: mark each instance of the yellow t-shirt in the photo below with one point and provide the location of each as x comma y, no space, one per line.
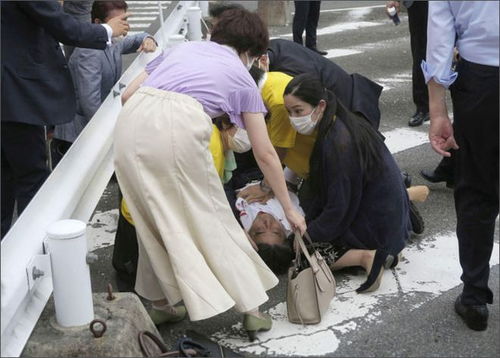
216,148
281,132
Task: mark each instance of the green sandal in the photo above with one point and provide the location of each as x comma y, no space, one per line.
253,324
170,314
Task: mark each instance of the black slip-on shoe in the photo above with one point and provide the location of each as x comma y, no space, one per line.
418,119
321,52
433,177
474,316
417,222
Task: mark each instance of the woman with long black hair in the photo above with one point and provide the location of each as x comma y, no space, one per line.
354,197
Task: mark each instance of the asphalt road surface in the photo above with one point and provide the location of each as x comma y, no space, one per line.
412,312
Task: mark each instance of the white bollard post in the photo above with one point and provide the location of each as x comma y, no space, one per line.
194,23
174,40
70,273
204,8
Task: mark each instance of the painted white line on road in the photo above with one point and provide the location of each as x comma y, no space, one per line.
144,13
413,278
341,52
139,3
379,45
361,8
101,229
141,18
400,139
352,8
359,13
140,25
346,26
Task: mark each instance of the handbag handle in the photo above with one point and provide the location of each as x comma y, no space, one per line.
303,248
315,268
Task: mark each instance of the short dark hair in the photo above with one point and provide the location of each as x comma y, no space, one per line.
101,9
242,30
257,74
277,257
217,8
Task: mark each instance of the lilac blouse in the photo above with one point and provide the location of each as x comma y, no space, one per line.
212,74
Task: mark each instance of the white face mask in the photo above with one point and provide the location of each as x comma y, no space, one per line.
305,124
249,63
239,143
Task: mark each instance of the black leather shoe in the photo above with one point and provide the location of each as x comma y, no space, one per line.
433,177
417,222
406,179
418,118
474,316
322,53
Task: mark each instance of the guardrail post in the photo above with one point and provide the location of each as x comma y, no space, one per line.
194,23
204,8
67,245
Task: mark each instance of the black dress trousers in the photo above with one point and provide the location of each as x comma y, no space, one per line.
476,116
417,22
306,18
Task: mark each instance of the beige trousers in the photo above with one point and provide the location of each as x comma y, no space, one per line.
191,247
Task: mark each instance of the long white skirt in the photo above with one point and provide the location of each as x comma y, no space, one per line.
191,247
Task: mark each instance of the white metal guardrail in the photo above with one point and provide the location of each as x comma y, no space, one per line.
72,191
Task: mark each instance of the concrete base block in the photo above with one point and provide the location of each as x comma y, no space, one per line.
125,317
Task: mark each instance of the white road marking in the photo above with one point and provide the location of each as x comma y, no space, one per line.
140,25
411,278
352,8
359,13
101,229
341,52
346,26
400,139
139,3
140,18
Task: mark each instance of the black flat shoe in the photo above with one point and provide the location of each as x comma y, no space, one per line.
417,222
406,179
418,119
433,177
474,316
322,53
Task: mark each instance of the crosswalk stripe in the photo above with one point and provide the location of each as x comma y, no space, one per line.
346,26
351,8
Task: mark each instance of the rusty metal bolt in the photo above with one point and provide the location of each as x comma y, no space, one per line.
110,297
97,333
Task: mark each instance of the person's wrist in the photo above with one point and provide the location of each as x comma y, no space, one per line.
152,38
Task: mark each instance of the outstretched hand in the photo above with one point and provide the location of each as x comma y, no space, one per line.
441,135
119,25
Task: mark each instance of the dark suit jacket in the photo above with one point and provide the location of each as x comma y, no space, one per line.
355,91
36,82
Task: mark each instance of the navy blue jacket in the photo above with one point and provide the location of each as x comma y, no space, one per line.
36,82
351,211
355,91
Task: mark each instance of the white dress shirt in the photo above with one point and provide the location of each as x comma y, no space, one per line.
471,26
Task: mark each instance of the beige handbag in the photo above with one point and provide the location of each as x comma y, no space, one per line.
311,285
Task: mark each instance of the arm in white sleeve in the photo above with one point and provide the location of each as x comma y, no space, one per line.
109,30
440,44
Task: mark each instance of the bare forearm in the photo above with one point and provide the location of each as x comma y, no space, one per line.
134,86
437,100
266,157
270,166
